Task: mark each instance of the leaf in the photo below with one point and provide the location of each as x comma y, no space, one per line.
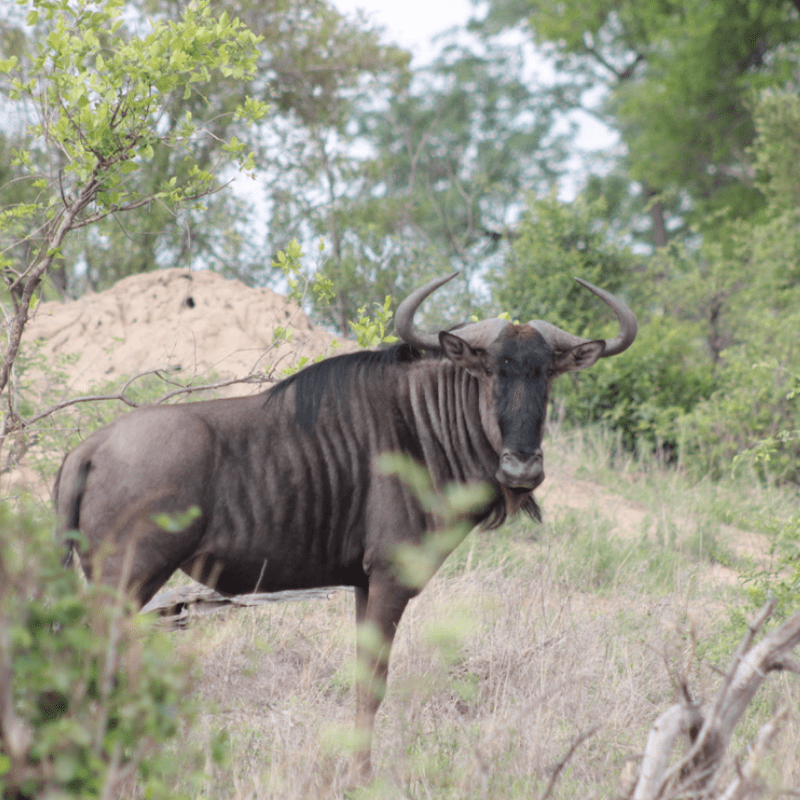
9,64
177,521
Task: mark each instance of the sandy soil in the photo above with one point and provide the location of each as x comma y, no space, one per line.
197,327
174,319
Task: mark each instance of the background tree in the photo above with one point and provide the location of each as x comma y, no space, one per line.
757,362
676,81
662,376
310,61
438,180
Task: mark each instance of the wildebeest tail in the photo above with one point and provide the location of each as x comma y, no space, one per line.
72,520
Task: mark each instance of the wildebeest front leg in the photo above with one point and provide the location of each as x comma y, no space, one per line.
378,612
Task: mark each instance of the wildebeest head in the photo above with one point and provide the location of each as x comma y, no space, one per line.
515,365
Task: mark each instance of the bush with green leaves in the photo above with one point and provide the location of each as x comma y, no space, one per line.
750,418
101,104
779,578
557,242
643,393
666,371
91,694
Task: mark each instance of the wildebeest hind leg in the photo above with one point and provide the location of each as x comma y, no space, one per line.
141,561
378,612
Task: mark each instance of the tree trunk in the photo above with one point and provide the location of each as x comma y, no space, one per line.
656,210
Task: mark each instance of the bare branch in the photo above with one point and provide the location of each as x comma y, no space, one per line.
679,719
788,664
176,606
564,761
697,769
746,780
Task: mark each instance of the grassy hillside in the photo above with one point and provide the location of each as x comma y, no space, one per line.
529,639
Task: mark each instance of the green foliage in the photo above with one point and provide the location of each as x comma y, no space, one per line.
679,81
745,292
177,522
777,155
103,97
452,154
100,100
417,562
639,393
750,418
371,331
642,393
780,578
712,375
557,242
126,119
289,261
92,694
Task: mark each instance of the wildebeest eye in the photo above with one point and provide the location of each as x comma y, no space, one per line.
488,371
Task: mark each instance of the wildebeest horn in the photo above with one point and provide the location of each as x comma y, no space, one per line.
557,339
404,318
561,340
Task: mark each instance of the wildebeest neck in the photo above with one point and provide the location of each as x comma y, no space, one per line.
335,378
403,400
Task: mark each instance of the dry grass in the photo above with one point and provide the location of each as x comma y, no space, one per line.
528,639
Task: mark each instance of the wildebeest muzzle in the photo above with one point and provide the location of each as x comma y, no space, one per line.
524,471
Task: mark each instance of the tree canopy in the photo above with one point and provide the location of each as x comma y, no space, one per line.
677,81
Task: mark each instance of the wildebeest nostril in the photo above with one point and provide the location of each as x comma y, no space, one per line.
522,456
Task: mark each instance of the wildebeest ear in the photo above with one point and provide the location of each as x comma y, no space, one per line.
461,353
580,357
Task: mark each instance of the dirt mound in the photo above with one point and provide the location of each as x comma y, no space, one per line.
198,322
199,326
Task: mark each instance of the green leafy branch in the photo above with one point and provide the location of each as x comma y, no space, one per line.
100,101
92,696
371,331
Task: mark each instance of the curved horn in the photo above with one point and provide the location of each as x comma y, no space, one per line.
404,317
561,340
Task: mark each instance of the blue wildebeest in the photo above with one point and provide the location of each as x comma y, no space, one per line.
286,483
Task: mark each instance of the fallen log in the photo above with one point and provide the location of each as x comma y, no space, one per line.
177,606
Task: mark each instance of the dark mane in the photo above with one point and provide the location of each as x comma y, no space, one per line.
336,374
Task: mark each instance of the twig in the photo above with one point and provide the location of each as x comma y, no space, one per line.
747,776
561,764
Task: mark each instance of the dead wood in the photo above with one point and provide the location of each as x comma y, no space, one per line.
177,606
697,773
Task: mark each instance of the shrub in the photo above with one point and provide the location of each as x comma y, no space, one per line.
91,695
645,391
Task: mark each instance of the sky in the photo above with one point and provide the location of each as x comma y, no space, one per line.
414,23
411,23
